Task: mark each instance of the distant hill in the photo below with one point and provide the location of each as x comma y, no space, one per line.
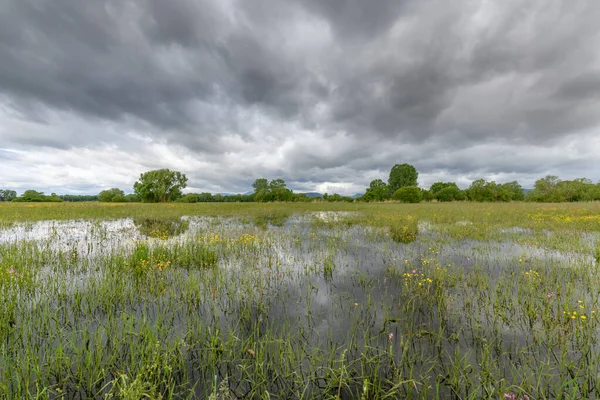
235,194
313,195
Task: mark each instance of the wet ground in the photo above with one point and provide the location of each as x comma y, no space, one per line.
332,286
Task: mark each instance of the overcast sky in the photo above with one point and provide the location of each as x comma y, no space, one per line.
326,94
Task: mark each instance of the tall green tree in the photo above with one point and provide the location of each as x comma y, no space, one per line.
378,190
7,195
481,190
514,189
277,184
547,184
450,193
446,191
280,191
402,175
260,184
161,185
545,190
408,194
275,190
438,186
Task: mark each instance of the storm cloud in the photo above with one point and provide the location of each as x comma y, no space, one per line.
327,94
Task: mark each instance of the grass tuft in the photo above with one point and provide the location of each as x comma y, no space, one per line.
404,229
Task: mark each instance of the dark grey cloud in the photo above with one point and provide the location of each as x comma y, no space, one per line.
317,92
359,20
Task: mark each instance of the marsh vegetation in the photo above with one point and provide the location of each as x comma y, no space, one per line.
369,301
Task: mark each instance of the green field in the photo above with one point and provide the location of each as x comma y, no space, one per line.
299,300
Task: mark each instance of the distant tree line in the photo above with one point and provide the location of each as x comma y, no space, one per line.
32,196
38,197
402,185
552,190
214,198
76,198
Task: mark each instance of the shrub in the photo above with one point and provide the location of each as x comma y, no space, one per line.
451,194
112,195
409,194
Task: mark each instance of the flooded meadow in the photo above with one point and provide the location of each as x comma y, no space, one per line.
371,302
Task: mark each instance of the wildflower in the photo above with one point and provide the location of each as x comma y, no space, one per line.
12,271
390,336
551,294
583,317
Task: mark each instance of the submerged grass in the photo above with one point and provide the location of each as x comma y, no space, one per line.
161,228
349,301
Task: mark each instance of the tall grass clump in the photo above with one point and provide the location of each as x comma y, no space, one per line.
404,229
145,259
154,380
161,228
